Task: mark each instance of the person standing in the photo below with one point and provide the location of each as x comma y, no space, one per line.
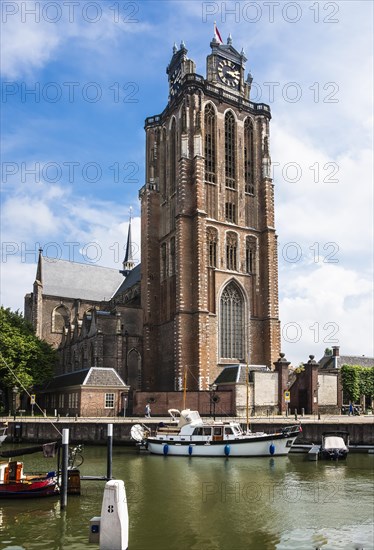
148,410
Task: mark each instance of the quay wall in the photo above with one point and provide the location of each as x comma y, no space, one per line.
95,432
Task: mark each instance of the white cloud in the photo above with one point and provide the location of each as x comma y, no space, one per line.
330,305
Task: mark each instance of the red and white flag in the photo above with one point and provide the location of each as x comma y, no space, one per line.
217,36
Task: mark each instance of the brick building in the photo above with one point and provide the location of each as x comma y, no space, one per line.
209,250
206,293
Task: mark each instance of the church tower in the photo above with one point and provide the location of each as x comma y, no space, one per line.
209,285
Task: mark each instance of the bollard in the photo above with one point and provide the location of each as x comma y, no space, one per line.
295,414
109,452
114,520
64,468
302,412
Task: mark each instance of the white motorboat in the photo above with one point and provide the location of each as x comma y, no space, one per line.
335,445
189,435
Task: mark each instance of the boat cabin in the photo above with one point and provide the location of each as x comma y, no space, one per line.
11,471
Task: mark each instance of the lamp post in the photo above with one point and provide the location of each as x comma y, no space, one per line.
213,400
15,391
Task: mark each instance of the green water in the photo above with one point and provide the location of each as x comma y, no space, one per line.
207,504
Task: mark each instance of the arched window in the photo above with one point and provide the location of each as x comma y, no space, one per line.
230,150
173,157
60,319
134,366
250,255
212,239
248,157
231,251
232,323
210,143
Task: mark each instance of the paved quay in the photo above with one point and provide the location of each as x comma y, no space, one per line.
94,430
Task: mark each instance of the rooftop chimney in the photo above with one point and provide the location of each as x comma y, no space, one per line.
335,351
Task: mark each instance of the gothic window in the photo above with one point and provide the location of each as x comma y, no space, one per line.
250,255
172,255
231,251
232,323
230,150
164,164
212,247
173,156
184,120
230,212
210,143
163,261
60,319
248,157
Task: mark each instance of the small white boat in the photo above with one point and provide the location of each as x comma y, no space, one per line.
334,445
191,436
3,433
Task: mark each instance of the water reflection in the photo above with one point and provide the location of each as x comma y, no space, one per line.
207,504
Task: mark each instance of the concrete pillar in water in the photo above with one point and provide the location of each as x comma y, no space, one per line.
114,523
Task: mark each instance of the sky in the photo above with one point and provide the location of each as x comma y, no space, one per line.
79,78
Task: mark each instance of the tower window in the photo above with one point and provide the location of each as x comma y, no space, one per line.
230,212
250,255
172,255
173,156
163,261
210,144
248,157
212,247
231,251
232,323
230,150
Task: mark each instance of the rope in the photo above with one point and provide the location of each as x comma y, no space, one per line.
26,391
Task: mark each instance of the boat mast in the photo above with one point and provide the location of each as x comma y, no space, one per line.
247,394
184,387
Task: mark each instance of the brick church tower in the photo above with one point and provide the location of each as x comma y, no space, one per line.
209,286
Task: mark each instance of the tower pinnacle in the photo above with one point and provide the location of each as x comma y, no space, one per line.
128,262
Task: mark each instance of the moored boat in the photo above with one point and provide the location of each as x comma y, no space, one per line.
15,484
335,445
191,436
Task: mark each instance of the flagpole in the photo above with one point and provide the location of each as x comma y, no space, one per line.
247,395
184,387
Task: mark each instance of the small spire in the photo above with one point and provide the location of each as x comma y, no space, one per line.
249,77
183,45
128,262
229,39
242,53
175,48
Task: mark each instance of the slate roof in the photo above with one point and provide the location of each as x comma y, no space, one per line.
132,278
81,281
95,376
235,374
328,361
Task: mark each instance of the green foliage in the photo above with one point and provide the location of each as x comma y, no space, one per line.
328,351
30,358
357,380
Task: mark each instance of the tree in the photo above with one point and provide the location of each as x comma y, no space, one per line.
22,353
357,381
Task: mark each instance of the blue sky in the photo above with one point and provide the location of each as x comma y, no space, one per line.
98,69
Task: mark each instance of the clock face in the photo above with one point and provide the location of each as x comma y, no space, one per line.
229,73
175,81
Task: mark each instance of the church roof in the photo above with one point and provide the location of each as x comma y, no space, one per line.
132,278
94,376
74,280
328,361
236,374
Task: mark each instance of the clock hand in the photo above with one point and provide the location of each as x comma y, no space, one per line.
234,74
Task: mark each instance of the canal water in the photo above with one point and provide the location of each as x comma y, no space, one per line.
178,503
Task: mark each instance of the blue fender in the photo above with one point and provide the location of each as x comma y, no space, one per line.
166,449
227,449
272,449
190,449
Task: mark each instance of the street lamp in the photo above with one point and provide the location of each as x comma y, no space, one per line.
213,400
15,391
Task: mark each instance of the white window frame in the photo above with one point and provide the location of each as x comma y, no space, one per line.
106,400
